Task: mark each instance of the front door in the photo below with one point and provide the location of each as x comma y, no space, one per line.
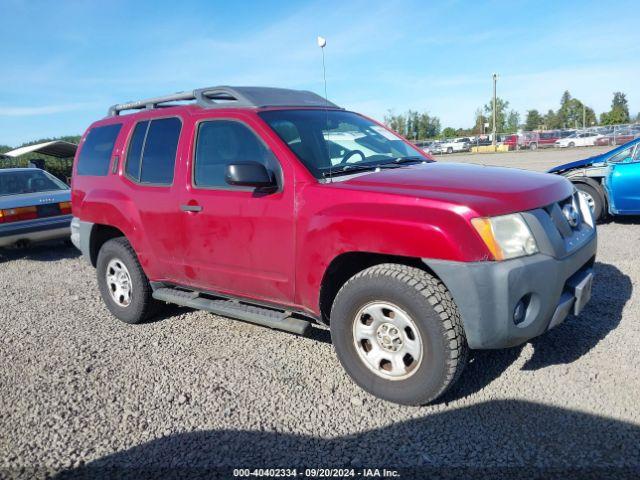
623,181
237,241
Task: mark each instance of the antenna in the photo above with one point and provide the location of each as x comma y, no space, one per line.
322,42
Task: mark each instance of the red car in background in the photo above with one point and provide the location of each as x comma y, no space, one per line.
618,138
532,140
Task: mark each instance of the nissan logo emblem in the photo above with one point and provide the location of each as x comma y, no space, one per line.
571,214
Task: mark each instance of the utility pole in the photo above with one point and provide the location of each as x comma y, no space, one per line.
493,141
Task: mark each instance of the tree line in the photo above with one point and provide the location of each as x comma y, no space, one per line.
572,113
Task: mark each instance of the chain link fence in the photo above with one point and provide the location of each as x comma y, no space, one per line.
606,135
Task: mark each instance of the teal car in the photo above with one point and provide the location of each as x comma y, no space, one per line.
609,182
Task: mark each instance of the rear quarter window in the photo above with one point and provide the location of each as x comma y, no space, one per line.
96,151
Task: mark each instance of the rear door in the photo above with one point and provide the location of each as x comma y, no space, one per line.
236,240
149,173
623,181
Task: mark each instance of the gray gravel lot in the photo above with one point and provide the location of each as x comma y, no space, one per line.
84,395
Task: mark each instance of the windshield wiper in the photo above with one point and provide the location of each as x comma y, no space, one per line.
404,160
391,163
349,169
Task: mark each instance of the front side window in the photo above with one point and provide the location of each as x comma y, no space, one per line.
331,141
16,182
152,151
96,151
224,142
622,156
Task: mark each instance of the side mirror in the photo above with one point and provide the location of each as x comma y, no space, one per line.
249,174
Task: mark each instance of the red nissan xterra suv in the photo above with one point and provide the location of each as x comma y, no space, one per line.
279,208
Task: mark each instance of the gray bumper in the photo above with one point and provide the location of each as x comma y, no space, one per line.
81,236
39,230
487,293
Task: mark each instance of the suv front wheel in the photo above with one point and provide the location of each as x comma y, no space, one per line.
123,284
398,334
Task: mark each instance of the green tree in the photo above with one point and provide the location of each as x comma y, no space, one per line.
479,122
533,120
413,125
513,121
619,112
501,114
449,132
573,113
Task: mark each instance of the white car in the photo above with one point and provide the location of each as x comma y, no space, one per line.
578,139
455,145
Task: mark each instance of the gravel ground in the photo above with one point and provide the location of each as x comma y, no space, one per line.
82,395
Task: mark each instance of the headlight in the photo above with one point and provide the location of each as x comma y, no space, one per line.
506,236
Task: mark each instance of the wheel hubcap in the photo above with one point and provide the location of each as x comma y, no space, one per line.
387,340
589,199
119,282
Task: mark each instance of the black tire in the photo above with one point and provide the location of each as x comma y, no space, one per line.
449,150
428,303
533,146
142,305
598,199
571,144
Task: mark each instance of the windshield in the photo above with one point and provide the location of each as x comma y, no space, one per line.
15,182
337,141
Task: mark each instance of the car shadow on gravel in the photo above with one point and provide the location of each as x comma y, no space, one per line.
563,345
495,439
44,252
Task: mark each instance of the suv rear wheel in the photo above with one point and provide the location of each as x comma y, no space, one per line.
123,285
398,334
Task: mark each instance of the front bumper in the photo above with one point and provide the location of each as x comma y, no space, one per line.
38,230
487,293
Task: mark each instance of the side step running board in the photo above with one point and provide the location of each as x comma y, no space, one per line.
230,308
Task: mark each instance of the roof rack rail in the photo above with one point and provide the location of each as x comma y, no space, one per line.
223,96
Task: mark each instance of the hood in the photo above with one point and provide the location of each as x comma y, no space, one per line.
487,191
580,163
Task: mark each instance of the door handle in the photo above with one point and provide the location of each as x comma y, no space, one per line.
191,208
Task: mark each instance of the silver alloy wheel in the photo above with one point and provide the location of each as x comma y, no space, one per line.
387,340
119,282
589,199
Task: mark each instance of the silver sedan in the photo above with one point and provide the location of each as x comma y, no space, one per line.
34,206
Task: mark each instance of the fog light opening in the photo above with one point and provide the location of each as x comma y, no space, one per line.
520,310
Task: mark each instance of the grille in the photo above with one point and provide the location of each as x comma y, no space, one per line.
566,215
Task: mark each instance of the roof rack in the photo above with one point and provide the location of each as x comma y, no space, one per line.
223,97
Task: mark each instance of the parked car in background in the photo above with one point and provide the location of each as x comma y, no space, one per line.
425,146
609,182
34,206
253,213
435,148
511,141
578,139
455,145
543,139
619,137
480,141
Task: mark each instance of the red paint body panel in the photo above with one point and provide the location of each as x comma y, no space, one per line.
277,247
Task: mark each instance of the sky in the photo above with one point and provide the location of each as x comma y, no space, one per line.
63,63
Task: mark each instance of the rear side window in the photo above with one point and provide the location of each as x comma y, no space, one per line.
224,142
152,151
96,151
